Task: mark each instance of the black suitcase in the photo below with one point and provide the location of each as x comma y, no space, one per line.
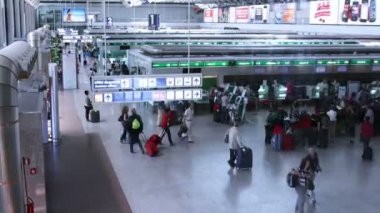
217,116
244,158
94,116
84,62
367,153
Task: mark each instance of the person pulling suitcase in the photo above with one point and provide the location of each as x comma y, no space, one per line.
233,138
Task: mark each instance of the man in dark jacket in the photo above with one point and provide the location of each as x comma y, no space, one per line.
310,164
135,128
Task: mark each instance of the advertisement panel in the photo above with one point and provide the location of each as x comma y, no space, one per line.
324,12
358,12
242,14
208,15
258,13
215,15
223,15
232,17
285,13
74,15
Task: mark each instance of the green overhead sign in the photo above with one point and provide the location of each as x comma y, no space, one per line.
282,62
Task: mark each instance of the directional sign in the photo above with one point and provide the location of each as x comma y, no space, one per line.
98,97
188,94
152,82
187,81
179,94
107,97
125,83
133,82
143,83
137,95
179,82
196,81
158,95
170,82
170,95
197,94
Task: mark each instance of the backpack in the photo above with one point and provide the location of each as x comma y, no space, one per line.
136,124
292,180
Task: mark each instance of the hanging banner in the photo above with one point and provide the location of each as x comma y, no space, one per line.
258,13
242,14
358,12
208,15
324,12
285,13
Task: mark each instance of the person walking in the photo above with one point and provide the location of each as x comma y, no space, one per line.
165,125
332,125
123,120
233,138
135,128
351,117
301,191
224,112
87,105
188,118
366,131
310,165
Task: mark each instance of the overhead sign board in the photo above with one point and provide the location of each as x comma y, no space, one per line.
284,62
147,95
143,82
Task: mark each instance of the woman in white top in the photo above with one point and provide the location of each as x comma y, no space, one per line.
188,118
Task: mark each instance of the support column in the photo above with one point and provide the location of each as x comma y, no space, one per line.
56,135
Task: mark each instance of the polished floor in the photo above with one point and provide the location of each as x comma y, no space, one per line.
196,177
79,176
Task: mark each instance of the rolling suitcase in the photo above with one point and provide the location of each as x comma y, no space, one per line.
94,116
288,143
244,158
151,148
367,153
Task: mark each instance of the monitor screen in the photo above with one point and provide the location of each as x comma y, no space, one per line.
74,15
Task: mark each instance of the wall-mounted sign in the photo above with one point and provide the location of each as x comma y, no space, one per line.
324,12
208,15
242,14
258,13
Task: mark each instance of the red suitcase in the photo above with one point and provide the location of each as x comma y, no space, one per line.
151,148
288,142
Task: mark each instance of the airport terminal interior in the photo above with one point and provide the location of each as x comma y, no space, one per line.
189,106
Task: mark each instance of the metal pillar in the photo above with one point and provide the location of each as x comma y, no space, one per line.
56,136
14,59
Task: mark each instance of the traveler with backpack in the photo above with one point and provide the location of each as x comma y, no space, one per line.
123,120
135,128
165,125
310,165
233,138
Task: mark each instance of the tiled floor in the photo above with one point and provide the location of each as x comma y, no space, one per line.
196,178
79,176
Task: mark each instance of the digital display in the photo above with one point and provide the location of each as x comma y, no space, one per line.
216,63
192,64
74,15
164,64
361,61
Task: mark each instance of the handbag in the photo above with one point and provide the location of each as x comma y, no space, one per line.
226,138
